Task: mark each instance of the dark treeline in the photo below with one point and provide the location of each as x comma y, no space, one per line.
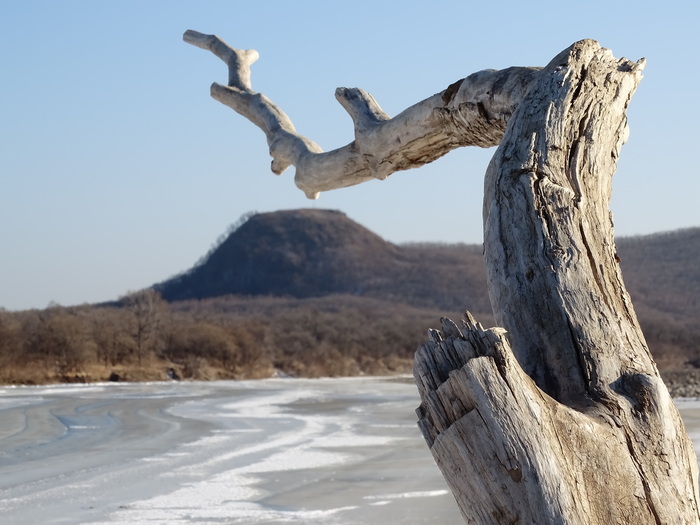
237,338
144,338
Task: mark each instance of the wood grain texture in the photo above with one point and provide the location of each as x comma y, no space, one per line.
564,418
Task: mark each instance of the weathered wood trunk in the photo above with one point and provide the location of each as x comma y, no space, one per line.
559,417
563,418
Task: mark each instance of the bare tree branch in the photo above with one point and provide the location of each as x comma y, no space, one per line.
471,112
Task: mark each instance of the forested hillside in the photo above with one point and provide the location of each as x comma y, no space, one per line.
312,293
314,253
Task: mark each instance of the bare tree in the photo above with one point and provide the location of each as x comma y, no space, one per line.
61,337
112,335
11,344
147,309
560,416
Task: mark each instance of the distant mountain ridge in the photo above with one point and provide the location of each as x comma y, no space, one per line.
662,272
314,252
298,253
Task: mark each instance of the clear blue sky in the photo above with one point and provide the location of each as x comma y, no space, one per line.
117,170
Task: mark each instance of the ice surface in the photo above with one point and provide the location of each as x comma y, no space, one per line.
343,452
272,451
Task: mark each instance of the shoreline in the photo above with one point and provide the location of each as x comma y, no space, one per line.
681,384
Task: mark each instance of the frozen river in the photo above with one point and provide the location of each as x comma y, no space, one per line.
343,451
340,451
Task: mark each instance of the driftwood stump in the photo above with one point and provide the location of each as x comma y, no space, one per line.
559,417
562,418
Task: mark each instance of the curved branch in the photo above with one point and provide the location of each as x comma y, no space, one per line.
471,112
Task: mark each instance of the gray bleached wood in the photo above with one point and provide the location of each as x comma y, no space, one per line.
579,429
471,112
563,418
